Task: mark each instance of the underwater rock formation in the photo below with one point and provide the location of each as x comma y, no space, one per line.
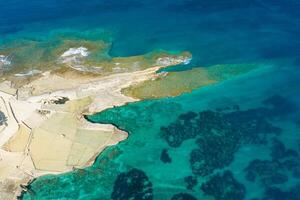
133,185
174,83
289,158
181,130
191,182
145,116
268,172
165,157
274,193
183,196
219,133
224,187
213,153
280,105
274,172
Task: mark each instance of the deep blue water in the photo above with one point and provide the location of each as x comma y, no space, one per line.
222,31
242,139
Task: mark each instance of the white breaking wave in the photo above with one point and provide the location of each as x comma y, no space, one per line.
167,61
4,60
74,58
80,51
29,73
73,55
187,61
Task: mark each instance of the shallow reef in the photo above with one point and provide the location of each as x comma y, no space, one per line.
175,83
213,153
134,185
191,182
268,172
67,52
224,187
219,133
274,172
183,196
165,157
275,193
129,119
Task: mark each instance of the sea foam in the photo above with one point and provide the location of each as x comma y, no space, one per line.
80,51
187,61
166,61
4,60
73,54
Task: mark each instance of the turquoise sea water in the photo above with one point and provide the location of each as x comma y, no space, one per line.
235,140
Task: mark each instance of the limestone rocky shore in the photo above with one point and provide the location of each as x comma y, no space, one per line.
42,125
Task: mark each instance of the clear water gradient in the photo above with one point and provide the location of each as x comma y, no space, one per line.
241,140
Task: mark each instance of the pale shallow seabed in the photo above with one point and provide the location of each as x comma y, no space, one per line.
157,160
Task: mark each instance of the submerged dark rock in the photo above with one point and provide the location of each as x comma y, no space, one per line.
212,153
279,152
165,157
221,132
132,185
273,173
267,172
191,182
280,106
224,187
176,133
183,196
275,193
187,116
289,158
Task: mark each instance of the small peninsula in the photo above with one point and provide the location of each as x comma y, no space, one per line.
42,125
43,129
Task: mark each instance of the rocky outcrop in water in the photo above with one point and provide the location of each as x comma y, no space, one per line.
132,185
224,187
